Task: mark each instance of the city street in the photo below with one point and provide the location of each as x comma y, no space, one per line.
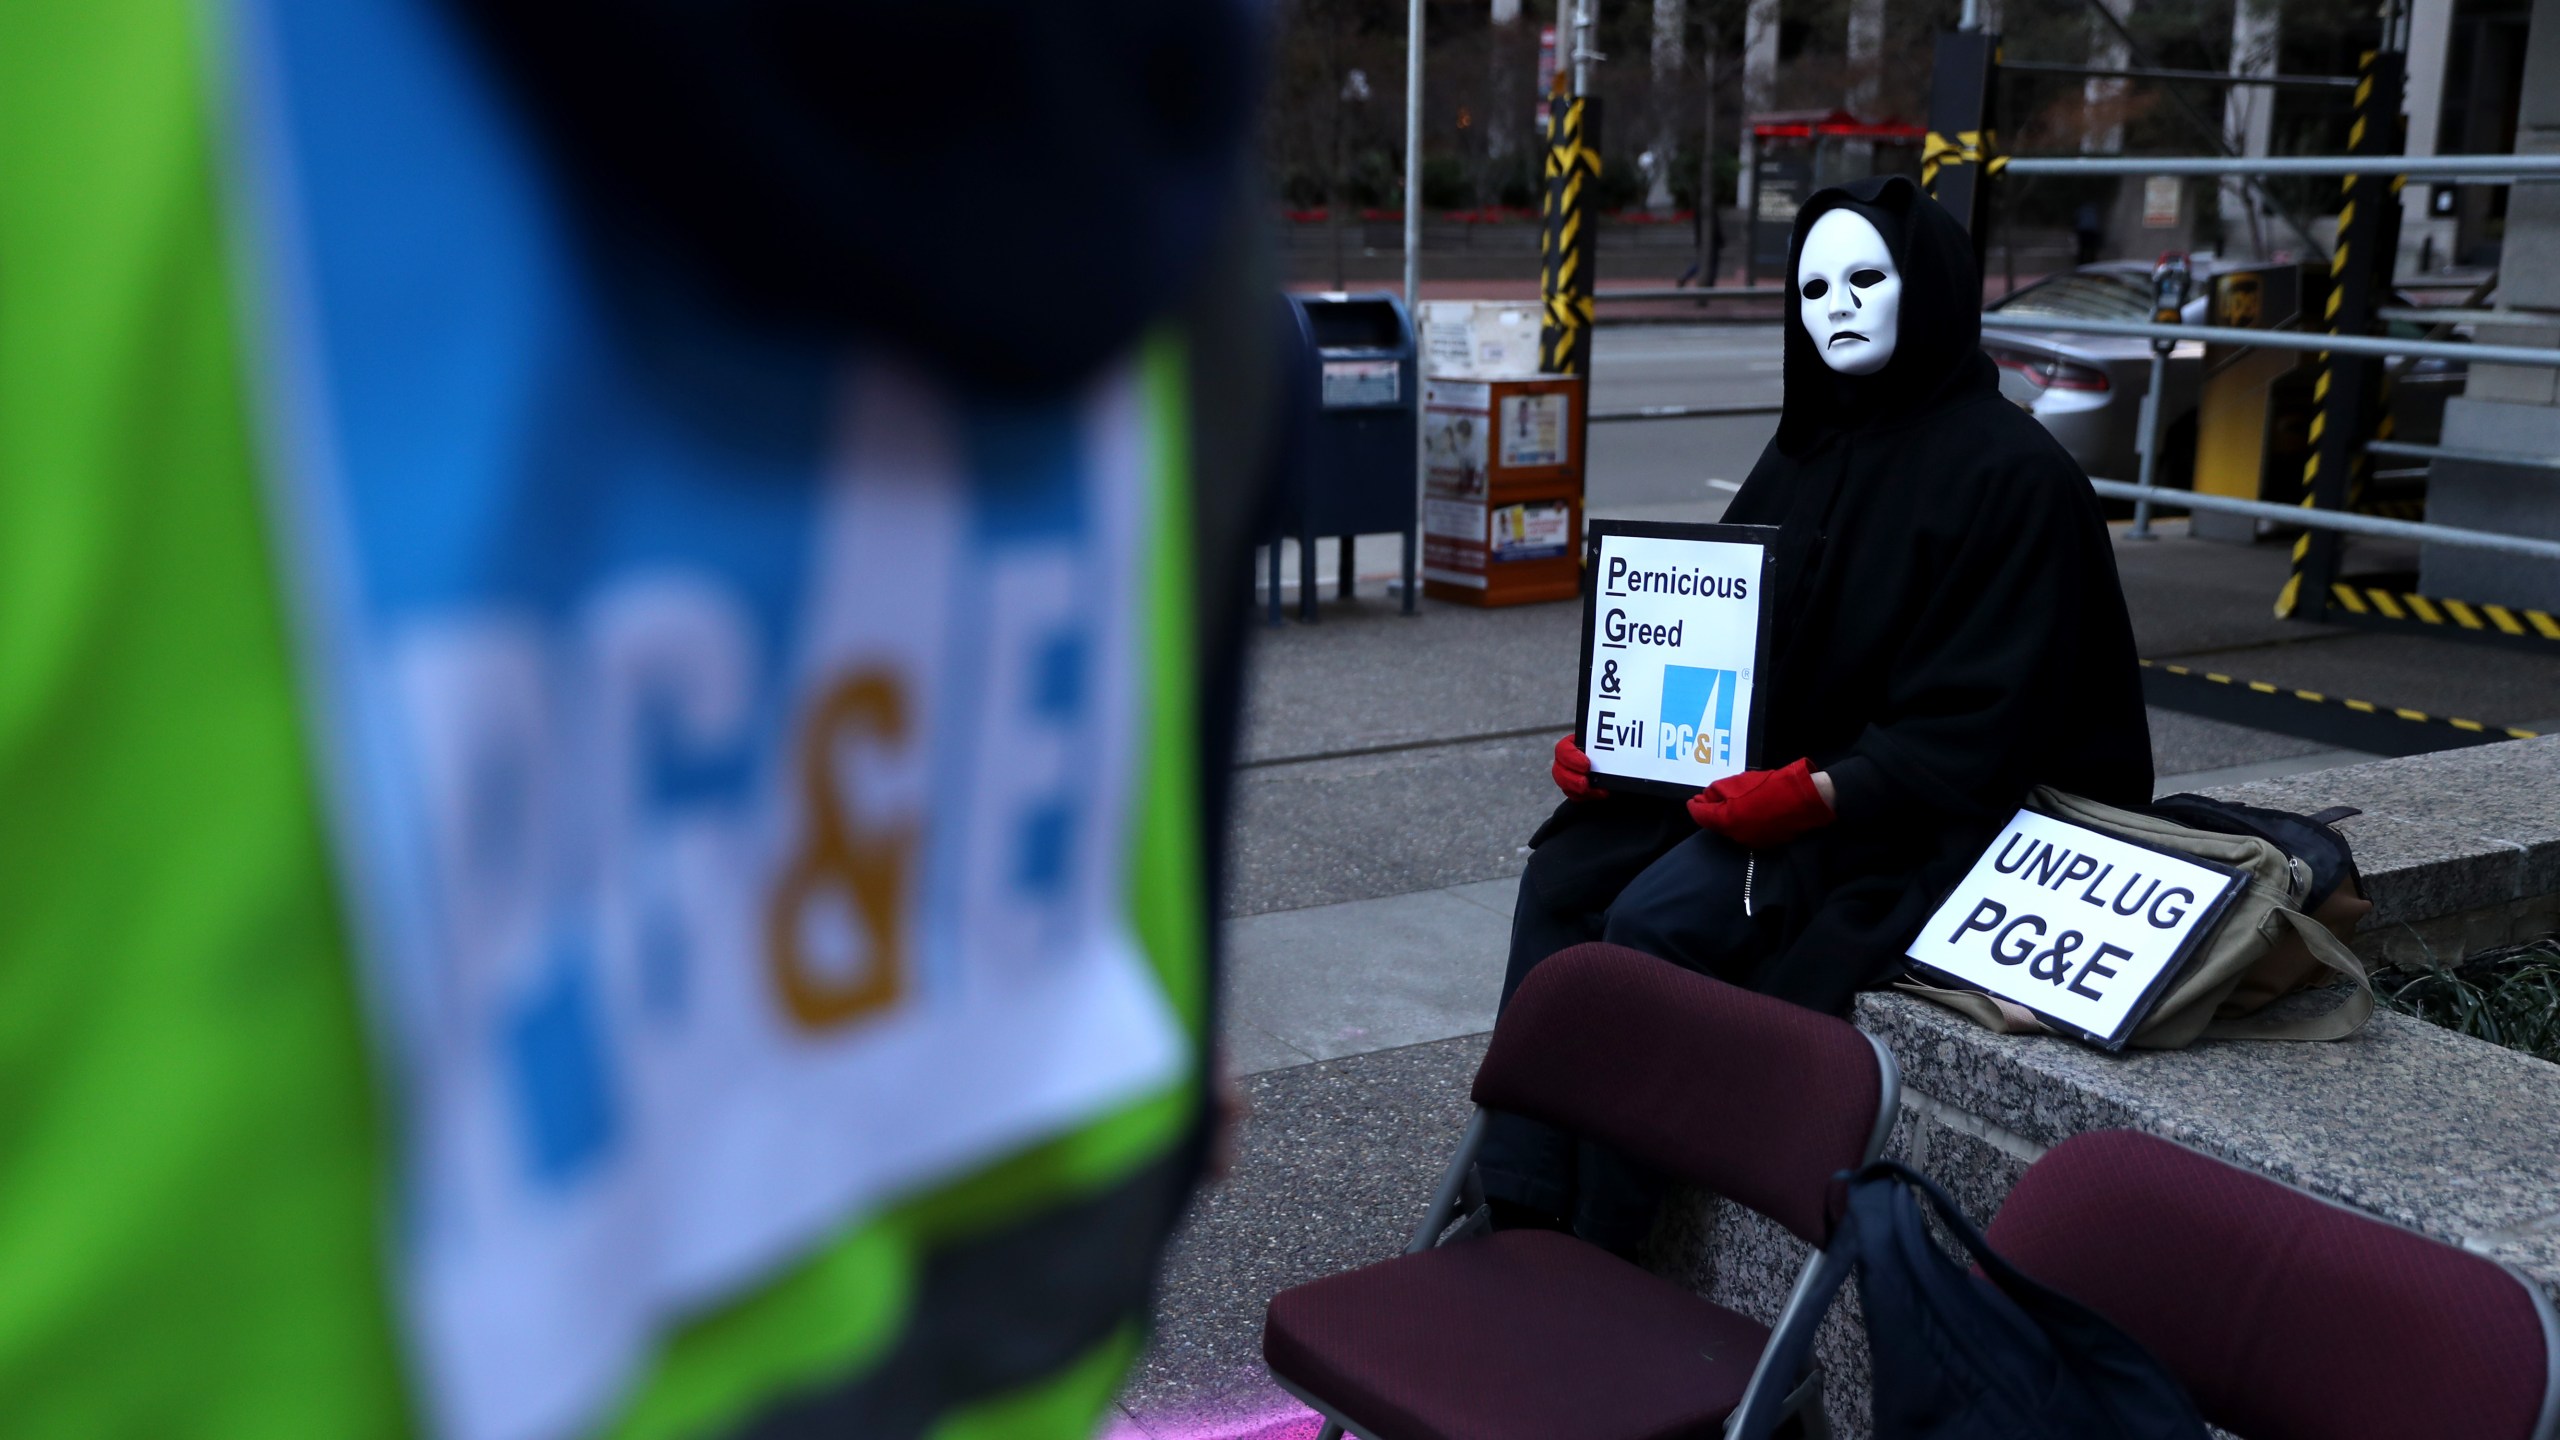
1678,469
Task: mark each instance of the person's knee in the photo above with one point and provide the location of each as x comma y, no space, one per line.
1686,908
1639,927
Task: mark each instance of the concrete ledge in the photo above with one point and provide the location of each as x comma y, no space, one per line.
2460,849
2445,1134
2437,1131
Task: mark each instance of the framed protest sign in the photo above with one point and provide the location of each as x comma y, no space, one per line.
2086,929
1675,637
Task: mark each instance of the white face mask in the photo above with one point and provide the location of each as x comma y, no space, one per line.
1849,292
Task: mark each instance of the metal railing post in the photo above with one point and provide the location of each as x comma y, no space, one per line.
1954,156
2149,449
2170,277
1413,37
2348,394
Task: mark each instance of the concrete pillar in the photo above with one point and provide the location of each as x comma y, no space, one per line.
2511,408
2248,121
1670,24
2422,234
2529,267
1759,87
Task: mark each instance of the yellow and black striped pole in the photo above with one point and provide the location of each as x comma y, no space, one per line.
1566,241
1957,160
2348,398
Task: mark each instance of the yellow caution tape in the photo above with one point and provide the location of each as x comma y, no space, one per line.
2361,707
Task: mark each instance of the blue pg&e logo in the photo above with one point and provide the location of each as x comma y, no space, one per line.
1697,714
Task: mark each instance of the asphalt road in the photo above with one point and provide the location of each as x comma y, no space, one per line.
1677,469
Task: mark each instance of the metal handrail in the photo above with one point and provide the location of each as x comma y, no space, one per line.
2314,519
2508,458
2483,169
2465,315
2210,77
2370,345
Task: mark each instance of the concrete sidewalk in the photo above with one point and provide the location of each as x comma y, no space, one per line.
1365,975
1359,976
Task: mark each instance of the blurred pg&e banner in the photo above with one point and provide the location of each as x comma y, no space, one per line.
730,746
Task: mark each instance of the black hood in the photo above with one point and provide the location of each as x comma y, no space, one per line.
1938,352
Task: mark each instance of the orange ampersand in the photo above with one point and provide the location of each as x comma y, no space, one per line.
865,871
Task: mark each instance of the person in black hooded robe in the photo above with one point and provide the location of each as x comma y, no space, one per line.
1949,633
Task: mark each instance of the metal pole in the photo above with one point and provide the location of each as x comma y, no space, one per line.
1749,209
2478,169
2150,447
1710,254
1412,281
2343,521
1413,157
2201,77
1583,44
2358,345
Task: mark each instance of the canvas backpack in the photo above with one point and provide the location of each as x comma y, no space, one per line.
2284,932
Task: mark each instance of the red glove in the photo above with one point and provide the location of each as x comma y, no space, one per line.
1762,808
1573,772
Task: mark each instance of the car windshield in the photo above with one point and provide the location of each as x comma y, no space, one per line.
2082,296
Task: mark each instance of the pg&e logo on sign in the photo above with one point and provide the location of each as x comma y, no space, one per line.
1697,714
2084,928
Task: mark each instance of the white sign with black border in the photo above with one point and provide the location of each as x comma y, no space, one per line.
2086,929
1674,641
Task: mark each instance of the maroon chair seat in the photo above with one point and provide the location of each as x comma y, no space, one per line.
1470,1341
1537,1335
2286,1316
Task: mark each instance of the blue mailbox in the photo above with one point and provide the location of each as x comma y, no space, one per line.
1357,471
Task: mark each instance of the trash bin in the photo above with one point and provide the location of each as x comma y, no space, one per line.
1356,470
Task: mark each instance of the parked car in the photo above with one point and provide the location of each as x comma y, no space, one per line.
2088,389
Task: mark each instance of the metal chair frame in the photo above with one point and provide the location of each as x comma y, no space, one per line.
1789,1350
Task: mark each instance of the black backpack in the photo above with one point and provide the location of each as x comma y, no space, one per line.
1960,1355
2307,838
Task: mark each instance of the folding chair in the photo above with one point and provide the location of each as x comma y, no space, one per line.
2286,1316
1535,1335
